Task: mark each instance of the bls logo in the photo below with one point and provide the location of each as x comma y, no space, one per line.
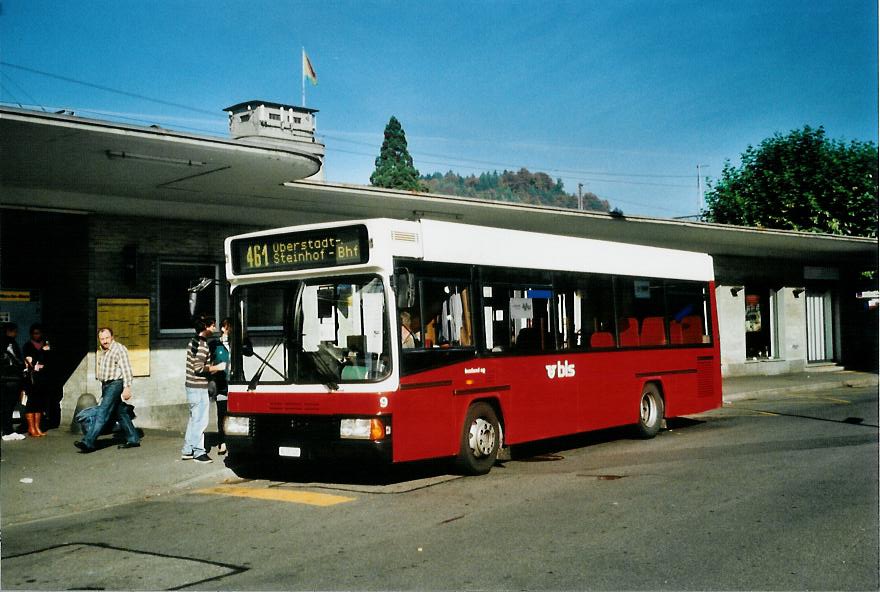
560,370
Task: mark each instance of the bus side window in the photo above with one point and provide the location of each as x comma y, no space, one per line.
446,319
593,302
641,312
531,320
496,316
688,306
569,320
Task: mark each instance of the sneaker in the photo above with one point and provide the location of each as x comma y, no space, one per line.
203,459
12,436
186,456
18,436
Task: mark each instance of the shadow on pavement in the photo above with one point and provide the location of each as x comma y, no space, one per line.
553,448
336,472
343,472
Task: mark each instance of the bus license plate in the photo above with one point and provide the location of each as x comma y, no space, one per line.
289,451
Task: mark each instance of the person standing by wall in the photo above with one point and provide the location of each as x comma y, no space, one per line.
11,379
37,356
198,371
116,376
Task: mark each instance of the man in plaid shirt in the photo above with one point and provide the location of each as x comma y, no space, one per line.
114,372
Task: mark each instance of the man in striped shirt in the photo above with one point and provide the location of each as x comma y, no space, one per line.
114,372
198,369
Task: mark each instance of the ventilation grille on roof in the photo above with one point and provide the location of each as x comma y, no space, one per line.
406,237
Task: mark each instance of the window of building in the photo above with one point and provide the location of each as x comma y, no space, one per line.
275,116
760,323
175,279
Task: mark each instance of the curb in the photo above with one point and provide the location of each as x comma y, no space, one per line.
801,388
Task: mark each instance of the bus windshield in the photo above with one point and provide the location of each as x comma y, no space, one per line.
326,331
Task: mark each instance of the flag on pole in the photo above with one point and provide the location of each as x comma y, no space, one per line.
308,70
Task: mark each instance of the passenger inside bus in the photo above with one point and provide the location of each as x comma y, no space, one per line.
410,337
447,316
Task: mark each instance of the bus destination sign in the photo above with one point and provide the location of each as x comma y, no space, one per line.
293,251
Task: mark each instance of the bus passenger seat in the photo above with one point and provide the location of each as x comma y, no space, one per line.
601,339
628,332
528,339
653,332
676,335
692,329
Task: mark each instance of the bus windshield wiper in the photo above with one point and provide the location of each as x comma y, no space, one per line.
255,380
327,365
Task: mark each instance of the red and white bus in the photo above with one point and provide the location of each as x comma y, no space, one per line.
404,340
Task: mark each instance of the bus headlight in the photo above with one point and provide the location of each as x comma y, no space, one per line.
363,429
237,425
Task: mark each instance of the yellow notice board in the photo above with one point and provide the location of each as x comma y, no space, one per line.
130,320
15,296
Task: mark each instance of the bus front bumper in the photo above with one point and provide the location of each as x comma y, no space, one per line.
304,438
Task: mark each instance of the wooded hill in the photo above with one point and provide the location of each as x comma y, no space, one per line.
521,187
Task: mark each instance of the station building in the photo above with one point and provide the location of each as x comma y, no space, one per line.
108,223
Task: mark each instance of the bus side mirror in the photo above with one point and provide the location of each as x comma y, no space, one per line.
193,298
405,286
326,299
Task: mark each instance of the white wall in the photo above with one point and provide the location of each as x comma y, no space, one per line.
791,351
159,399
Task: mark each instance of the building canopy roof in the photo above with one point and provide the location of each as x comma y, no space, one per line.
76,164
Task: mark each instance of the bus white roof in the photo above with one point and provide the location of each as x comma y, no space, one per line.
454,242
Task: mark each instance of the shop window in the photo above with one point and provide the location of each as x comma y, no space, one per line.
760,323
175,279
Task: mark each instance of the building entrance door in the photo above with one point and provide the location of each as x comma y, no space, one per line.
820,337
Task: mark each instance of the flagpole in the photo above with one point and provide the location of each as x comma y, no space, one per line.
303,62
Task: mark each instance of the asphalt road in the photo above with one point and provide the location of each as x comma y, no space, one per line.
763,494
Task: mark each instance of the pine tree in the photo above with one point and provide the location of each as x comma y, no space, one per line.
394,165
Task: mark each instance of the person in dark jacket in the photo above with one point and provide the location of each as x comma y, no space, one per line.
37,356
11,379
220,379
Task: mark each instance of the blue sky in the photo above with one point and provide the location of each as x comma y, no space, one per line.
626,97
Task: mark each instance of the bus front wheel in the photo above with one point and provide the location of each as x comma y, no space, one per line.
480,440
651,409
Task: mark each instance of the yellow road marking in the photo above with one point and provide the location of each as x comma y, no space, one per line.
279,495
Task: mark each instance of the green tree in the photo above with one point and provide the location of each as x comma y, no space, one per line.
800,181
520,186
394,165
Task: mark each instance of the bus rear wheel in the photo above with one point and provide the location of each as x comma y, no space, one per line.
651,410
480,440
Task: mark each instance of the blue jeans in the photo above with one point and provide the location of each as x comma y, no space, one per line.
111,405
199,406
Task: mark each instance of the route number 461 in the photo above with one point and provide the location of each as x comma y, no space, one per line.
257,256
